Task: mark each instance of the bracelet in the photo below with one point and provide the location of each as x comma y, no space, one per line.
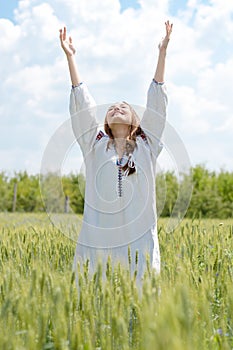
74,86
156,82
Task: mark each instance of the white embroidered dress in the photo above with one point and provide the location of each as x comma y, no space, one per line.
118,212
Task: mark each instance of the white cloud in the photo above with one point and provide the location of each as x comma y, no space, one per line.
10,33
116,53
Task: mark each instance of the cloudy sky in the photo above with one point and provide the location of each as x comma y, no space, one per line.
116,45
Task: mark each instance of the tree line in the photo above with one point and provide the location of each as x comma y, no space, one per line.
211,193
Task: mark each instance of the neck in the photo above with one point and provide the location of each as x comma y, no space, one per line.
120,131
120,134
120,146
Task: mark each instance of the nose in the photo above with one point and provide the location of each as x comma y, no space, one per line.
116,108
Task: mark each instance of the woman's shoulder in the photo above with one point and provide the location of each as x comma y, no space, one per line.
142,138
101,136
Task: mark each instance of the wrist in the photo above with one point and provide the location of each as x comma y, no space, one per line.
162,51
69,56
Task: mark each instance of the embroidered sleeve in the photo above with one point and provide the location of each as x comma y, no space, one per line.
144,138
83,117
99,135
154,117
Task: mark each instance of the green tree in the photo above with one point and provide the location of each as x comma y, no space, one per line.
166,192
5,198
74,188
28,192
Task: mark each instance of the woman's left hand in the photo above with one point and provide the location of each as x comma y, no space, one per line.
164,42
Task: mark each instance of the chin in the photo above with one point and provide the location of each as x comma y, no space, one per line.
119,121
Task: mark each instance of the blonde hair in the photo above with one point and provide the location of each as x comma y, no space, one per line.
134,131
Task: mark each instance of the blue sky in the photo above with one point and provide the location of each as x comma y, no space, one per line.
129,3
117,52
7,7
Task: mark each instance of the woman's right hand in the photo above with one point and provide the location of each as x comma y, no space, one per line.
66,43
164,43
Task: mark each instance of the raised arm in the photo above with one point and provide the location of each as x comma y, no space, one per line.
160,69
154,117
82,104
67,45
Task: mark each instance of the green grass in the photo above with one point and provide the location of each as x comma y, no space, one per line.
189,306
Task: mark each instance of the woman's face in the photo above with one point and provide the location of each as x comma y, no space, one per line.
119,113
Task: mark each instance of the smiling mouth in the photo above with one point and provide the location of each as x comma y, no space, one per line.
117,112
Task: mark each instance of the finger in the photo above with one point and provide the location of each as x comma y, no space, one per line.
170,29
70,40
61,34
64,34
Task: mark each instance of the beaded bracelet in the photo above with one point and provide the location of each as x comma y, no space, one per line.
156,82
74,86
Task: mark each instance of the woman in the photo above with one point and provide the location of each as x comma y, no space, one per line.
120,207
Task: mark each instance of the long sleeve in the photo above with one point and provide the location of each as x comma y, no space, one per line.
154,117
82,111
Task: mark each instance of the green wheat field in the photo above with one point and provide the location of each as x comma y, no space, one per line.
189,306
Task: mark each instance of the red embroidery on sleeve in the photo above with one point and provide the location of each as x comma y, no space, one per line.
143,136
99,136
